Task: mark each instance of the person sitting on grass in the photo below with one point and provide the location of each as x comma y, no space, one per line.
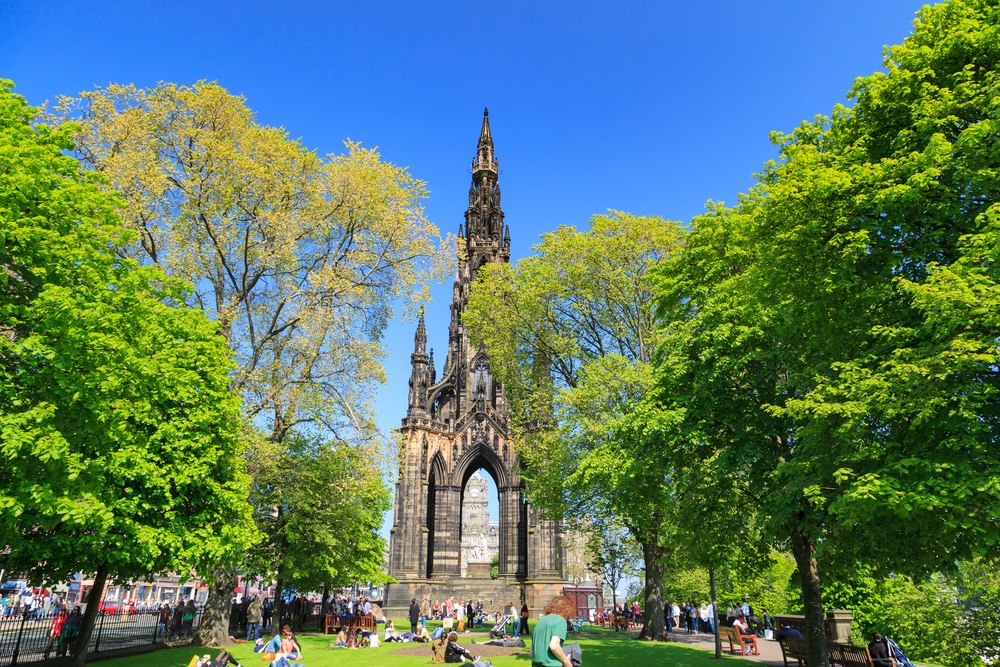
289,649
439,647
547,648
455,652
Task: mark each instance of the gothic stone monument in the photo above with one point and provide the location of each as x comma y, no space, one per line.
455,425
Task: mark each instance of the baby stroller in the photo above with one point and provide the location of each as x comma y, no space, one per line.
499,627
898,654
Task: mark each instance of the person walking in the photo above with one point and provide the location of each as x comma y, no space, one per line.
69,632
524,629
267,611
509,613
189,613
425,610
55,632
254,615
414,615
177,622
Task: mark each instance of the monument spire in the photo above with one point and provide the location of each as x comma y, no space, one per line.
420,337
421,368
456,424
485,138
484,226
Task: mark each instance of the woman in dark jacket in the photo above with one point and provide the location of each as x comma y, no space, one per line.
454,652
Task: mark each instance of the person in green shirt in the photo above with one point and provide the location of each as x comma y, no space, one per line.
550,632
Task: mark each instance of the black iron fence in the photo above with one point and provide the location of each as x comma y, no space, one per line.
26,640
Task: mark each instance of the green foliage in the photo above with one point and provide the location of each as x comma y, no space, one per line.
614,552
495,566
978,585
831,340
299,257
571,336
921,615
944,619
686,585
768,584
319,507
119,435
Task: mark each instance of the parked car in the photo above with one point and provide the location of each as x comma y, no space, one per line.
116,607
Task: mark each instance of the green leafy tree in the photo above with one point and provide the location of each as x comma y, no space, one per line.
833,332
571,336
614,553
300,258
978,588
305,492
119,436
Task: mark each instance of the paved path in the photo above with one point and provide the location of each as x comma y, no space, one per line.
770,651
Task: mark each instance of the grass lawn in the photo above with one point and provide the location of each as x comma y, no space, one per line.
601,648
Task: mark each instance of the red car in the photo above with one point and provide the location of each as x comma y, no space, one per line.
116,606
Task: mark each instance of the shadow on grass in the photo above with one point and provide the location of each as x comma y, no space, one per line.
625,651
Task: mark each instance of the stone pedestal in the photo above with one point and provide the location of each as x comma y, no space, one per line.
477,571
838,626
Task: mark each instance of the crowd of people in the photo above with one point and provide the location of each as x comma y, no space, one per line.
63,631
463,615
31,604
177,622
548,649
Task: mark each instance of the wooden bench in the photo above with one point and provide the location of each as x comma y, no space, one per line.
851,656
747,643
795,649
842,655
334,622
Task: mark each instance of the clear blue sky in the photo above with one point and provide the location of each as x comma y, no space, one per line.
648,107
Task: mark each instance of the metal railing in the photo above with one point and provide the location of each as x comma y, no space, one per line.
26,640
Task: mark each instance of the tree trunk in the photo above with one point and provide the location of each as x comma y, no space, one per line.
279,600
79,651
715,613
653,626
804,552
213,630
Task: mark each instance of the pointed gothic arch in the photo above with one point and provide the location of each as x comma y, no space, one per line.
436,476
479,455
